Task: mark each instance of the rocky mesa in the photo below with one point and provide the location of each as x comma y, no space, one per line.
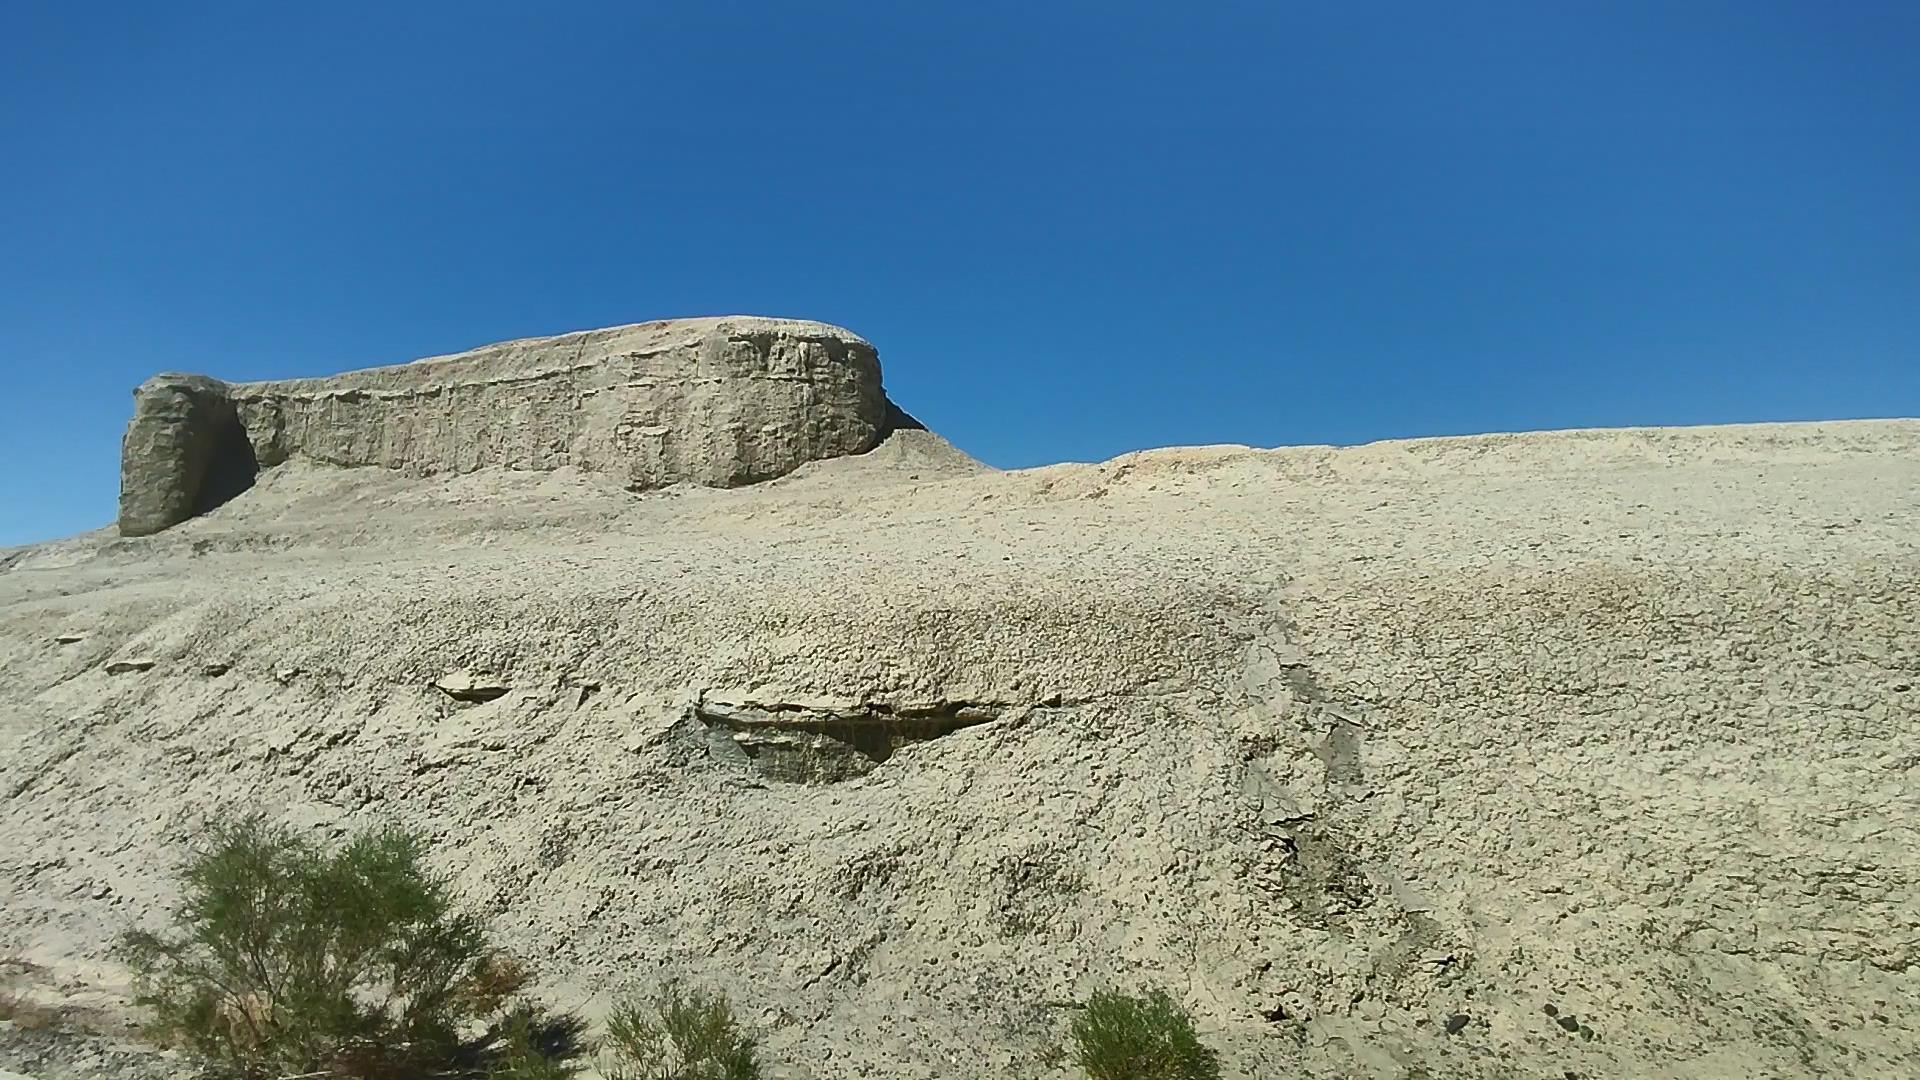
720,402
1576,754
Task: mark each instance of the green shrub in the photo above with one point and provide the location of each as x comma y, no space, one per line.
1119,1037
288,959
678,1035
523,1053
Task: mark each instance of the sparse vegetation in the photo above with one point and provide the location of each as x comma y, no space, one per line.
523,1054
1122,1037
288,959
678,1035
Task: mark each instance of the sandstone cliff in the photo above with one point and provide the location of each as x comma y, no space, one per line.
719,402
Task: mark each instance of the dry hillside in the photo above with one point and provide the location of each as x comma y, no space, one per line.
1605,742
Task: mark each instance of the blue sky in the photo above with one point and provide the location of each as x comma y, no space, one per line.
1073,229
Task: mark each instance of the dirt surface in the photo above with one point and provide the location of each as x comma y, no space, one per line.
1581,754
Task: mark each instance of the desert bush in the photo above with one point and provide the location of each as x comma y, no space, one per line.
526,1051
1121,1037
288,959
677,1035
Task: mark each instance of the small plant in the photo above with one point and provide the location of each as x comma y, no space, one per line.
1120,1037
522,1055
287,959
678,1035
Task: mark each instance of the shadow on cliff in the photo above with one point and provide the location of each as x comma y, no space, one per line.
231,468
898,419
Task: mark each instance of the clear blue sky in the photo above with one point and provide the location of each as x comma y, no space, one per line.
1073,229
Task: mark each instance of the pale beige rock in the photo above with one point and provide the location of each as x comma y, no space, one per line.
184,451
469,686
721,402
1338,744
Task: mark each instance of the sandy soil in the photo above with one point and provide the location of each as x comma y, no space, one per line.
1338,745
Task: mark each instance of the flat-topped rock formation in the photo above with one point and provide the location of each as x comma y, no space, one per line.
720,402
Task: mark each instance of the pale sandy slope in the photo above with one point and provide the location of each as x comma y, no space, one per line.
1336,744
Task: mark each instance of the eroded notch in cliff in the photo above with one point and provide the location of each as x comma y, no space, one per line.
231,466
813,744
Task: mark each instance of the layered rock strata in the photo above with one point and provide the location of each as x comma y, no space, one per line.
718,402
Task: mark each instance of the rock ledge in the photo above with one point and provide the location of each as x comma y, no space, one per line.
720,402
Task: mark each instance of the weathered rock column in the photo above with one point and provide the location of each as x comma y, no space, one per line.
169,449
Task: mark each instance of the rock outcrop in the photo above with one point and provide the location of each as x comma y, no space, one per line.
720,402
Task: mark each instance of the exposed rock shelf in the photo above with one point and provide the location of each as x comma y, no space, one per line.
720,402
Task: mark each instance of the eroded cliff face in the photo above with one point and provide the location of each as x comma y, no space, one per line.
717,402
184,453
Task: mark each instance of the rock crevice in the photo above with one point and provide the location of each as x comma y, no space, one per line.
820,744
